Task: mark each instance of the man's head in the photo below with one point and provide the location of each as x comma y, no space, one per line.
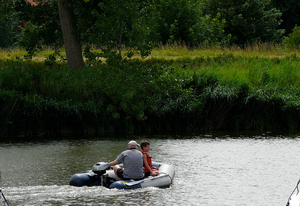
133,144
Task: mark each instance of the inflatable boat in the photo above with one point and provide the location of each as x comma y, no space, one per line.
103,175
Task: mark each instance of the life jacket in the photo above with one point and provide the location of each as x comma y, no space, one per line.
149,161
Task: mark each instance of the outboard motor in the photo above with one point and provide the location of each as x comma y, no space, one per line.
93,177
100,168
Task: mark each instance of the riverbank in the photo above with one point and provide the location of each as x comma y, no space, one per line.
222,91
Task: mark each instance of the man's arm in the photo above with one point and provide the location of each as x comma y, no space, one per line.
113,163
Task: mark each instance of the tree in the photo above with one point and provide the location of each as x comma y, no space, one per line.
51,23
69,31
42,26
290,13
183,21
123,24
247,20
175,18
8,24
110,25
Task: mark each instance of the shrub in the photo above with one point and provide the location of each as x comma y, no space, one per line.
293,40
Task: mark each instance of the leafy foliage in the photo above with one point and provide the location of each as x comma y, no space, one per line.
41,20
9,24
290,13
123,24
293,39
247,20
111,26
209,31
183,21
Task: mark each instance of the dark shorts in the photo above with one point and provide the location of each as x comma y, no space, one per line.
120,175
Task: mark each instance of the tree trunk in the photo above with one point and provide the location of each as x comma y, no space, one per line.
69,31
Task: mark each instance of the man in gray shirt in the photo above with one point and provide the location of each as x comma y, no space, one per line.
133,163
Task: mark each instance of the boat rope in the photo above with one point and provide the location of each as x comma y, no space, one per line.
296,188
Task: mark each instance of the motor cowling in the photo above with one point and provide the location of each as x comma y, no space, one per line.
100,168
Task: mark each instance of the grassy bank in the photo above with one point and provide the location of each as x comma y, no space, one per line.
218,89
173,51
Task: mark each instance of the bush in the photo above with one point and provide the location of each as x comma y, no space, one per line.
293,39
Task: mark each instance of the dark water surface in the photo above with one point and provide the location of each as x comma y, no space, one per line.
220,169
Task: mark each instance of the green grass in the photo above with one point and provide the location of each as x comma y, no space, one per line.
174,51
11,53
14,53
260,50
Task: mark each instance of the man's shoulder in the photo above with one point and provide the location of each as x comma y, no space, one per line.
131,151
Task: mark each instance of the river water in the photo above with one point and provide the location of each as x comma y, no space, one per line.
211,169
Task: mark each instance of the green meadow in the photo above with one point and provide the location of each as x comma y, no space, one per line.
175,89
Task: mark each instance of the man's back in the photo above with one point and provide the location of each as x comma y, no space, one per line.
133,163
